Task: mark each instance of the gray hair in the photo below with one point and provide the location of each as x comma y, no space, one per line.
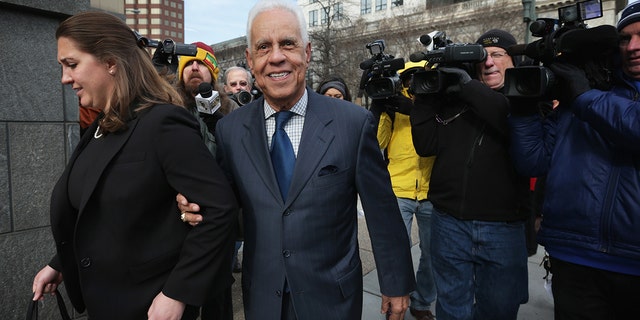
288,5
249,76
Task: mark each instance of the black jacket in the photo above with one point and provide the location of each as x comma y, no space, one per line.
473,177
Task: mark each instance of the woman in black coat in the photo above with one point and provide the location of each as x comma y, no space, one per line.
121,248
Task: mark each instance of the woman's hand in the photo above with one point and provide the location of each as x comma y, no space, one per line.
165,308
46,281
188,210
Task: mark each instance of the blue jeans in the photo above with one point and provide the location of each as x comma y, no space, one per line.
480,268
425,293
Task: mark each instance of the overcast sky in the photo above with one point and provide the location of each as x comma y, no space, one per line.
213,21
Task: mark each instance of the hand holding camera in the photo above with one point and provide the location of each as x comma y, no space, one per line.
162,60
574,80
397,103
461,78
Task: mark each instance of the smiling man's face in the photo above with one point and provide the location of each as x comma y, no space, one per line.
278,57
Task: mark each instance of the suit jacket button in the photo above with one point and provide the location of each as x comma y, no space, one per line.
85,262
286,253
287,212
278,293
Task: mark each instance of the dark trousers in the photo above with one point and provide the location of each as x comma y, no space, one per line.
585,293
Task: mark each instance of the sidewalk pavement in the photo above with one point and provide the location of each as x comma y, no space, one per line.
539,307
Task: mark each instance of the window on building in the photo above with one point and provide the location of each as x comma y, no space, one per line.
324,17
313,18
174,24
156,1
173,14
130,2
157,11
156,21
381,5
338,11
396,3
173,4
142,2
365,6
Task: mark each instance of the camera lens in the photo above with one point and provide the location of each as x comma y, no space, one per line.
244,97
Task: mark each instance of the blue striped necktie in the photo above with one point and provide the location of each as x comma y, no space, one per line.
282,156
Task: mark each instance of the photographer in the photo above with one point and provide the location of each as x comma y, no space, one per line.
477,232
410,175
590,152
238,84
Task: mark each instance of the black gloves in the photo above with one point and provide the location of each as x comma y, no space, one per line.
397,103
461,78
165,62
574,81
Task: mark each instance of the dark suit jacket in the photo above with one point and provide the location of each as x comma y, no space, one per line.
126,242
311,239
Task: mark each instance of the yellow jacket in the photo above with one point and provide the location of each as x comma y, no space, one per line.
410,173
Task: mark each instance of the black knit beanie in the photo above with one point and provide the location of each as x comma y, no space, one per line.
497,38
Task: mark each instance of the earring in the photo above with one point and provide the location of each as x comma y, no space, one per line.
111,72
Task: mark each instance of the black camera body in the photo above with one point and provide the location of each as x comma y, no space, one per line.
169,47
380,77
444,53
566,39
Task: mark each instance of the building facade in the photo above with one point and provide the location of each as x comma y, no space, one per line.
341,29
156,19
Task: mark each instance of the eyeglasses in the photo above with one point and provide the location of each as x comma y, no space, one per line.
498,55
241,83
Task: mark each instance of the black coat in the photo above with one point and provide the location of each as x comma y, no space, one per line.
126,243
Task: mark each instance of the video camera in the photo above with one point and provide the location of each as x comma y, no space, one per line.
566,39
380,77
168,47
442,53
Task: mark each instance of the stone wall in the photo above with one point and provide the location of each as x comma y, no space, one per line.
38,129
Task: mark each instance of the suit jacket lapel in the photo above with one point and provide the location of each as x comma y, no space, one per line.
110,150
316,138
255,146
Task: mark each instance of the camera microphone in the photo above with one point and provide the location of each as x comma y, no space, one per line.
584,41
517,49
417,56
207,100
367,64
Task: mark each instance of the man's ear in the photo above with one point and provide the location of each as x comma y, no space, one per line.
247,56
307,50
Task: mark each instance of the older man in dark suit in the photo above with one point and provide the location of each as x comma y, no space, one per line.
301,258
